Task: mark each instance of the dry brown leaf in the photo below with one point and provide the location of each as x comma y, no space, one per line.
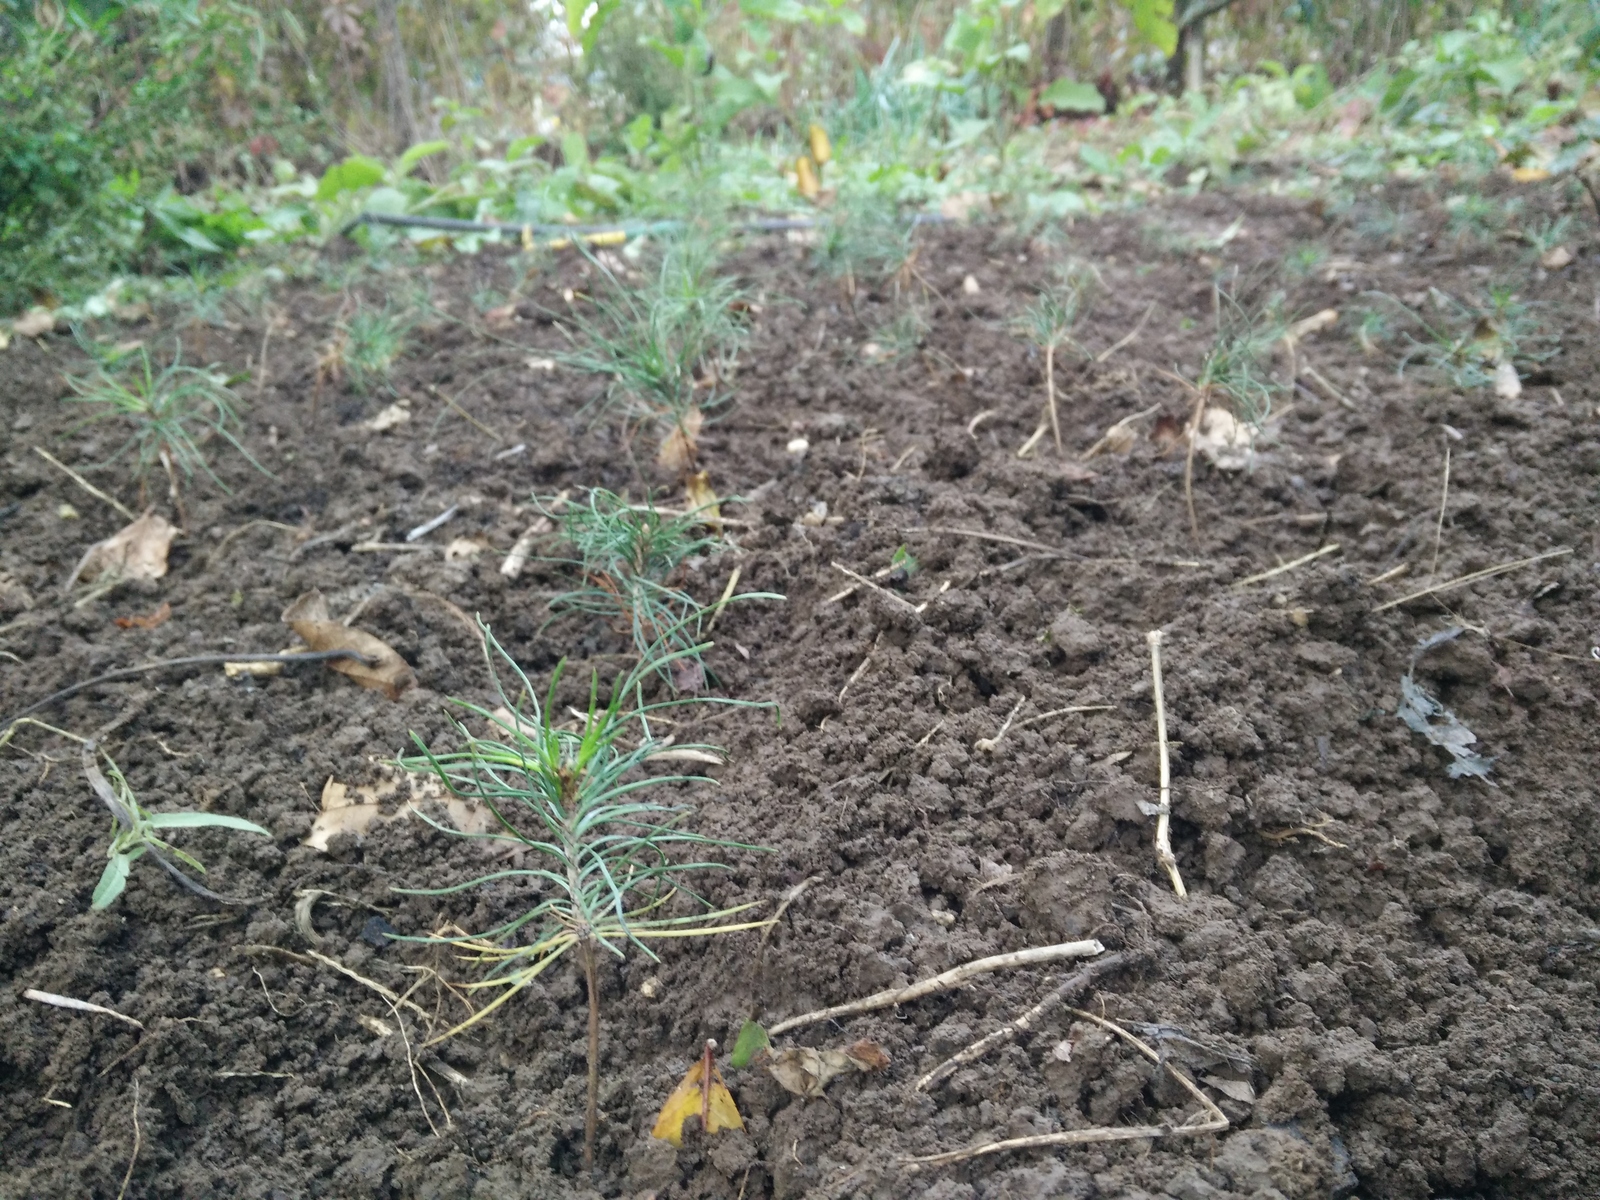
137,551
678,448
806,1072
356,810
36,322
1167,432
1234,1089
388,418
498,317
1226,441
389,673
1507,385
150,621
1555,258
1313,324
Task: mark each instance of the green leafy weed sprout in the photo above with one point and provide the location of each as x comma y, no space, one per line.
668,347
1049,323
633,559
582,803
173,412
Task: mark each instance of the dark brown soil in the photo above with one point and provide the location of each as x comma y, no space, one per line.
1410,990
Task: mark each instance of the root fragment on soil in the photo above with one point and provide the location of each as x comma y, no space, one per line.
1391,573
862,669
1069,989
987,745
85,484
1444,500
1473,577
138,1142
1281,568
1314,830
1127,339
56,1001
1215,1121
1164,853
948,980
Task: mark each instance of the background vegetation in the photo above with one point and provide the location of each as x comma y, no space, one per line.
176,137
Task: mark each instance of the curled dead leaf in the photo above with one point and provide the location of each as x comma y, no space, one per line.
679,448
388,418
149,621
702,501
703,1094
1167,432
806,1072
137,551
388,672
805,177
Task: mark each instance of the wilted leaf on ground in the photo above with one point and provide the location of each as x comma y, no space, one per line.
703,1094
1226,441
150,621
702,501
805,1071
752,1040
679,447
137,551
389,673
1426,715
36,322
356,809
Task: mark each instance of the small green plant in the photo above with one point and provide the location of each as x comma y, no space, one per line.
1476,219
172,411
1546,234
372,342
605,850
136,832
903,335
1374,327
1304,260
1387,226
1049,323
866,238
1474,341
633,560
669,347
903,562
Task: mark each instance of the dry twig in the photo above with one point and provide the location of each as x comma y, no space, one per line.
1330,548
1473,577
1444,499
138,1141
1164,853
84,483
80,1006
948,980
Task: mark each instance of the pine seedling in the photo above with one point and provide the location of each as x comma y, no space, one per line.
1475,342
373,342
606,852
866,238
669,347
172,413
1049,323
136,832
633,559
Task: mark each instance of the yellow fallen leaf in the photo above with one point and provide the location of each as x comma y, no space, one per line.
714,1105
1529,174
36,322
389,673
821,148
702,501
805,174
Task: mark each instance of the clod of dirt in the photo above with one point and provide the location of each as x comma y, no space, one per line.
1065,896
388,672
958,611
137,551
954,456
1076,640
812,707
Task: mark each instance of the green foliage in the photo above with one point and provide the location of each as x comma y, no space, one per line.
669,346
1050,320
1467,341
370,342
605,851
136,832
633,560
172,412
1237,367
865,238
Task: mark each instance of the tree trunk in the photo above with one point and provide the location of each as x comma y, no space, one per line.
1194,76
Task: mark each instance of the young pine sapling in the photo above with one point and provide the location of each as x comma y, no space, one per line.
1049,323
604,847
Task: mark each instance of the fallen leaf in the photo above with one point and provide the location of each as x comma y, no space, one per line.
1555,258
806,1072
678,448
702,1093
498,317
821,148
36,322
355,810
805,176
1313,324
1506,383
159,617
1529,174
1226,441
388,418
1234,1089
389,673
752,1040
1167,432
702,501
137,551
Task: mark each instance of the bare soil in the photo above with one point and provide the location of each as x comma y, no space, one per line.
1400,1003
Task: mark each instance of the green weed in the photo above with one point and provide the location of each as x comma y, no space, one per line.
371,342
865,239
1469,341
904,334
172,412
607,855
1049,323
1475,219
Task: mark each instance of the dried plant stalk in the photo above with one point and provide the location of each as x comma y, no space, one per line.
1164,853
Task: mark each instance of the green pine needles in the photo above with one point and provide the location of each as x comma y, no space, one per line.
171,412
582,802
633,560
668,347
1049,323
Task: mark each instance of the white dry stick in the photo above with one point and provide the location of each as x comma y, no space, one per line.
427,527
85,484
1444,500
987,745
1164,812
727,594
945,982
80,1006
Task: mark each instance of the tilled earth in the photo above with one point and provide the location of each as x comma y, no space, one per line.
1383,974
